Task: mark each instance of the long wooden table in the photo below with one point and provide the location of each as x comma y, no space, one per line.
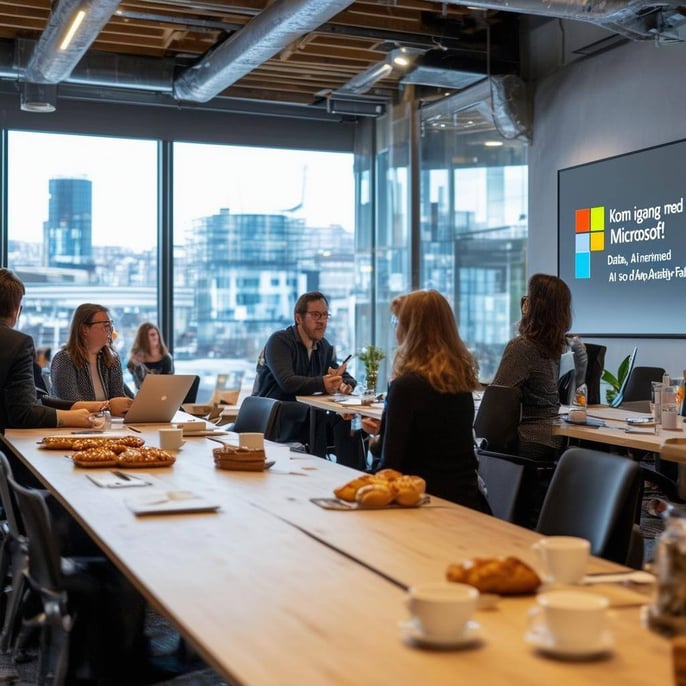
617,432
273,589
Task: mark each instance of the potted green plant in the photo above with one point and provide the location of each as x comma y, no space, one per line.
370,356
615,382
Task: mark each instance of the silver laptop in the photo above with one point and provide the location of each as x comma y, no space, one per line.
159,398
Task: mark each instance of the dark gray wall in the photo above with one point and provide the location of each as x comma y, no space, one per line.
629,98
318,132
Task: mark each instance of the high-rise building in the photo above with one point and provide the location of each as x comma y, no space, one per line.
68,231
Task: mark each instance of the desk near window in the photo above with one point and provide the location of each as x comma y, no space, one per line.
274,587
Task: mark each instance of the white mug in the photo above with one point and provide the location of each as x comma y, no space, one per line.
571,618
251,441
564,558
442,608
171,439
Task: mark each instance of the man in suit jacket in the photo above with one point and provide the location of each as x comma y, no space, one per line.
19,406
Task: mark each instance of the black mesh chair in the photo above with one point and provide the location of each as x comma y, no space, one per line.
638,385
595,495
594,371
14,556
259,415
501,470
192,391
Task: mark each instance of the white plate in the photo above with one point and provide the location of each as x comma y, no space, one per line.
542,640
414,634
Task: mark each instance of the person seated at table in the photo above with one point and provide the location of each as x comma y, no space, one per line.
88,368
299,360
149,354
20,408
531,362
426,426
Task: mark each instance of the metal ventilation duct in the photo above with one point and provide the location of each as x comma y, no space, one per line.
51,63
268,33
635,19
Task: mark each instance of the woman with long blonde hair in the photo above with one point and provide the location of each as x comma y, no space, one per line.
426,428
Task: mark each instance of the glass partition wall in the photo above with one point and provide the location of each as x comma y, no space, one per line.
254,227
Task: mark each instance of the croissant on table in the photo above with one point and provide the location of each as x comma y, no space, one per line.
502,575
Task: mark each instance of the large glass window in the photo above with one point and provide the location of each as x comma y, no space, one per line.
82,227
474,229
254,228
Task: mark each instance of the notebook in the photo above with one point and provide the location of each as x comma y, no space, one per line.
159,398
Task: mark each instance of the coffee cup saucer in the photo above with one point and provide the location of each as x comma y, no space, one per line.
540,638
412,632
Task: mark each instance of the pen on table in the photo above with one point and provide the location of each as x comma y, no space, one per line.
133,428
121,475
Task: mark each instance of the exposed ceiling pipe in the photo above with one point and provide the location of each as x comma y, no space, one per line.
635,19
268,33
52,61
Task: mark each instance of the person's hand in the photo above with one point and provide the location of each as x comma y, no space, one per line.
120,406
345,388
93,406
332,382
370,425
78,418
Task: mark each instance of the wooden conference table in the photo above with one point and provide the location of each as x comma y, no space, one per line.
273,589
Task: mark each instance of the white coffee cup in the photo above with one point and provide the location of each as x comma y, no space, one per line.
251,441
564,558
670,419
442,608
571,618
171,439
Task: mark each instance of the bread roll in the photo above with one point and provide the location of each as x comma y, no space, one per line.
389,474
504,576
349,490
374,495
408,490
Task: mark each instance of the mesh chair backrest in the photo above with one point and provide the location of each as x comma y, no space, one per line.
8,501
502,479
44,557
257,415
638,383
497,419
593,495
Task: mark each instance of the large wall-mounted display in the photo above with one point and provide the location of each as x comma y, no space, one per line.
622,242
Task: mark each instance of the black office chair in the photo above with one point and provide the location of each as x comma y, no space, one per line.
566,385
638,385
594,371
501,471
595,495
258,415
14,556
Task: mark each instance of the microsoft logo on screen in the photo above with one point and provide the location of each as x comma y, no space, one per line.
589,224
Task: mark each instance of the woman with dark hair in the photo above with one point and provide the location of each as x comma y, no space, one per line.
88,368
426,428
149,354
531,362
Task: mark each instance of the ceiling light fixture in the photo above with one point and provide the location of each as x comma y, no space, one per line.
493,144
398,58
73,28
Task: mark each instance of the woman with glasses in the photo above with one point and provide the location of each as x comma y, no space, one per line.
149,354
426,428
88,368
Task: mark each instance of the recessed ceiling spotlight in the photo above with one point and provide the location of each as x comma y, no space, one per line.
493,144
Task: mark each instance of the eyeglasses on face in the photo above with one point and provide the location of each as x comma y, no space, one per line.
318,315
106,324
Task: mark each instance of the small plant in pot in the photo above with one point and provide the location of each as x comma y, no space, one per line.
371,356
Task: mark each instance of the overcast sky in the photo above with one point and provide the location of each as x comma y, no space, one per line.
206,179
